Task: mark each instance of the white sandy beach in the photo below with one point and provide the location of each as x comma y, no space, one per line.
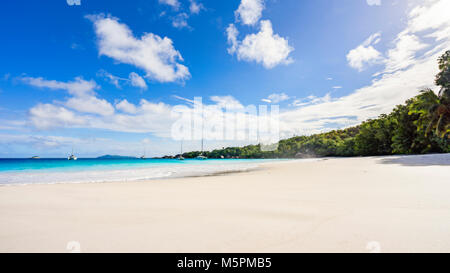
400,204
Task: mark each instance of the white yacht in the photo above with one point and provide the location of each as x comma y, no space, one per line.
180,157
145,152
201,156
72,156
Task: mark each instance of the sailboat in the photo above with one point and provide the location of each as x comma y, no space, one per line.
144,157
72,156
201,156
180,157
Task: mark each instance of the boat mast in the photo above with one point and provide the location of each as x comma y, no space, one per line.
203,125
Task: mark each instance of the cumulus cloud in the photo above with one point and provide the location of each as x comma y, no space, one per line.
90,104
276,98
85,110
126,107
155,55
264,47
95,113
374,2
365,54
137,80
249,11
146,117
47,116
83,100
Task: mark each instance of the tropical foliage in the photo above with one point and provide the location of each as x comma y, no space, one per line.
421,125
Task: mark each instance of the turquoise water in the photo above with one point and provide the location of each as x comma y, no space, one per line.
45,171
7,165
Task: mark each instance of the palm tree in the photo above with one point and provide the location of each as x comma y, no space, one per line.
440,117
433,113
441,111
432,108
443,77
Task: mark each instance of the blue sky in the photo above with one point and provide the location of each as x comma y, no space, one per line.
91,74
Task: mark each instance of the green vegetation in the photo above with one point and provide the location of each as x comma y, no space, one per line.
421,125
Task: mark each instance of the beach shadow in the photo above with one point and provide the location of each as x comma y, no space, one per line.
418,160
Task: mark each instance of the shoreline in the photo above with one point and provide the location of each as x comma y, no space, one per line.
123,173
332,205
227,168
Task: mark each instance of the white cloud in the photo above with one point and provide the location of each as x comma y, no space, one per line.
365,54
276,98
47,116
173,3
111,78
403,54
374,2
126,107
155,55
195,7
137,81
147,117
264,47
180,20
232,34
433,17
310,100
227,102
133,79
77,87
90,104
183,99
250,11
84,98
337,87
92,112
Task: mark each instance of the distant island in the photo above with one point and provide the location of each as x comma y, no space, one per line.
115,157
